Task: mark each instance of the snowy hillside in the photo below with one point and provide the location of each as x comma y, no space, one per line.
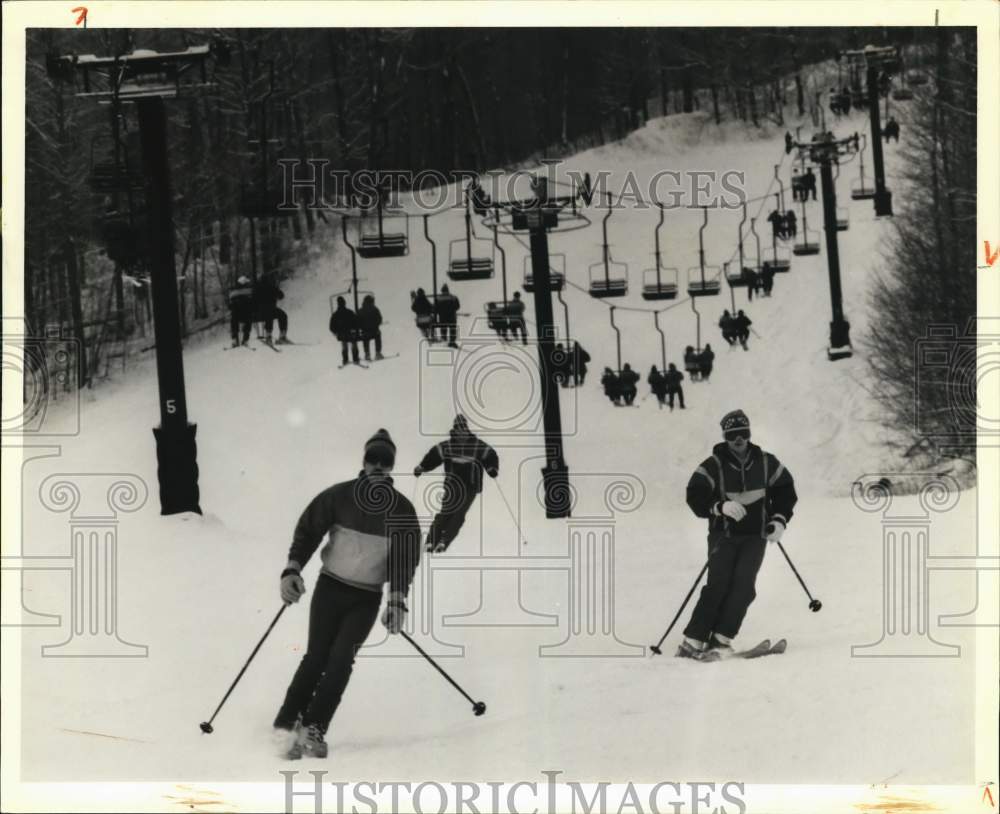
276,428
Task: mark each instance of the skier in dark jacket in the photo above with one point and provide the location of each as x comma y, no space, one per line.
726,326
658,384
515,318
673,378
344,326
791,224
741,326
891,130
747,496
266,296
424,310
629,379
562,361
580,360
706,359
370,327
767,278
374,538
240,310
612,386
465,458
691,362
446,309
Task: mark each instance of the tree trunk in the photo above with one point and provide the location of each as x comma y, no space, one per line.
800,99
687,85
715,103
73,281
477,130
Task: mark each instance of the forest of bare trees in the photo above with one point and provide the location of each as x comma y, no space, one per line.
406,99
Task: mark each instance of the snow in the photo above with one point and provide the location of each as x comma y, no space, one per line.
274,429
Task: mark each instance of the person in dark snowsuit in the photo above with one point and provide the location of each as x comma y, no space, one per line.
777,221
446,309
612,386
374,538
515,318
658,384
741,327
240,310
465,458
726,326
344,326
562,361
750,281
424,311
580,360
809,184
266,295
767,278
629,379
691,362
747,496
791,224
891,130
706,359
370,327
673,378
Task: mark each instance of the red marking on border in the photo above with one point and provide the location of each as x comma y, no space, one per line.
990,259
83,15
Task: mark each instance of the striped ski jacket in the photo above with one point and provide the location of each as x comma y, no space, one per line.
760,483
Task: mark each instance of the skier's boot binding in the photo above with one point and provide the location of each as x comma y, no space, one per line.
309,743
721,644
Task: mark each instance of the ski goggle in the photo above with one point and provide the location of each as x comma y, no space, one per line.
380,457
732,435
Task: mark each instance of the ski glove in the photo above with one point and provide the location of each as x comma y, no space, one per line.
417,471
773,530
292,586
731,509
394,616
492,472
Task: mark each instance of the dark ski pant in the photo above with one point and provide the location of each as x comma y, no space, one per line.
448,331
448,522
732,575
680,395
276,314
377,336
353,343
340,619
238,324
518,326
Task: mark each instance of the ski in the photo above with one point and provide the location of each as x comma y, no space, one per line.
231,347
386,356
268,344
353,364
761,649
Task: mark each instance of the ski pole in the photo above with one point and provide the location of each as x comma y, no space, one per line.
656,647
755,333
510,511
206,726
478,707
814,604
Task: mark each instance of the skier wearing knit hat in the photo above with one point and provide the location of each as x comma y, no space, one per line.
747,496
465,457
374,538
240,310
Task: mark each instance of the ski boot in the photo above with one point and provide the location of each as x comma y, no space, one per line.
236,343
309,743
378,355
283,339
721,645
691,649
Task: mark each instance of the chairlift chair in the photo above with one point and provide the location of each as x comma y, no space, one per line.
557,273
807,246
843,219
916,78
608,277
735,277
902,94
707,286
466,258
860,191
381,243
778,259
659,283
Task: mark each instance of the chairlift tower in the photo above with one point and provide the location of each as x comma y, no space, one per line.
878,62
826,151
146,78
538,215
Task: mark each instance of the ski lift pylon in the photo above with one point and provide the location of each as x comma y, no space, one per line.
557,273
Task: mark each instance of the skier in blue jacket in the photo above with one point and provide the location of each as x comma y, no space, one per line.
747,496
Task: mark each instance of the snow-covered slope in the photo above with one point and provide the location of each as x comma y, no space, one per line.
274,429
